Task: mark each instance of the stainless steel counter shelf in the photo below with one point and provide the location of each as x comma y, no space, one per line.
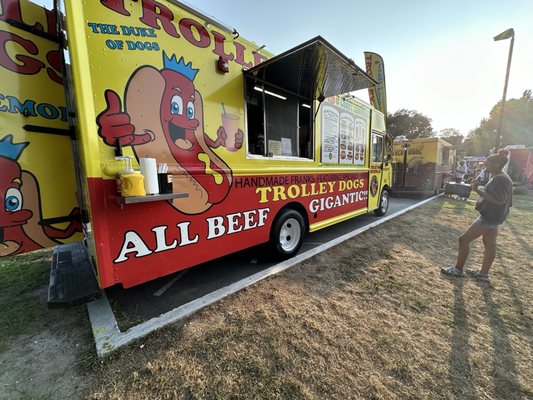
149,197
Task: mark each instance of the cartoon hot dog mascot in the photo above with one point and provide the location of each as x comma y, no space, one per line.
21,227
163,118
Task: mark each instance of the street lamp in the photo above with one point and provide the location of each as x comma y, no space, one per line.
509,33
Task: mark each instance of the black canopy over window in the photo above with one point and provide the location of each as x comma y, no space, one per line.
313,70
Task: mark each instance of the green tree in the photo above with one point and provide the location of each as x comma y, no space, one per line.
481,140
409,123
451,135
517,120
517,126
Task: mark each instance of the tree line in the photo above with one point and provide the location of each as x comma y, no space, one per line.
517,127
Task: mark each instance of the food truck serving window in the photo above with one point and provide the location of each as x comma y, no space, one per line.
281,91
279,123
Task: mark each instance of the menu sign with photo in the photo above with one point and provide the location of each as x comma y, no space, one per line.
330,134
344,132
346,138
360,142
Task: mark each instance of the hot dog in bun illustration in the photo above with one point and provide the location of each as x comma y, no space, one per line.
21,224
163,118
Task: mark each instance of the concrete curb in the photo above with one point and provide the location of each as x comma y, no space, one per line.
108,336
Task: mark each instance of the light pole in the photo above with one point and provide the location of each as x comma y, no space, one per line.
509,33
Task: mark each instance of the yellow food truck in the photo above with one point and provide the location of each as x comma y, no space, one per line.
235,147
421,166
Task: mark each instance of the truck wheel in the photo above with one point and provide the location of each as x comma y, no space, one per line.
383,204
287,234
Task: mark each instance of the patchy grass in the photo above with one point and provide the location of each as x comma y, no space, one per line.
370,319
25,396
44,354
20,277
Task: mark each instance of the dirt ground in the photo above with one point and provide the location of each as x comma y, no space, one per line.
47,361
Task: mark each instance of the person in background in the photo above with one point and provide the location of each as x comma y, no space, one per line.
482,177
493,206
460,171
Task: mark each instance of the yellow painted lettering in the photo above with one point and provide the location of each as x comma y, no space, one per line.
279,193
293,191
342,186
263,193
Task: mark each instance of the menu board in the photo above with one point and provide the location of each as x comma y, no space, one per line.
360,142
346,138
344,133
330,134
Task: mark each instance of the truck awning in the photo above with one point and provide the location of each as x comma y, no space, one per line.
314,70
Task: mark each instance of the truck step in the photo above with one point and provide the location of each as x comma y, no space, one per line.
72,279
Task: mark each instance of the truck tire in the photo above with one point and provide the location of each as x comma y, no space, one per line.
383,204
287,234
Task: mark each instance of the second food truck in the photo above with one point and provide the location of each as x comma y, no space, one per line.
258,149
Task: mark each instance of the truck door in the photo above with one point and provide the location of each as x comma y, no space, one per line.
37,182
376,169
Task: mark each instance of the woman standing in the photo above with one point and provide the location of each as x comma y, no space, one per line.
493,206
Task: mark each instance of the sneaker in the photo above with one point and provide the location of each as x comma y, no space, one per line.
452,271
475,273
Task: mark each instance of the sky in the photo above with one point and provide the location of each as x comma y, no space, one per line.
440,56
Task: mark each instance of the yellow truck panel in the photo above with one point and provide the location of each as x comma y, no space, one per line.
37,189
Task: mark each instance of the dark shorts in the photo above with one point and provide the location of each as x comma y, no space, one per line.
484,222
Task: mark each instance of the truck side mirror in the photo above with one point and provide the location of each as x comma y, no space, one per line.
388,157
